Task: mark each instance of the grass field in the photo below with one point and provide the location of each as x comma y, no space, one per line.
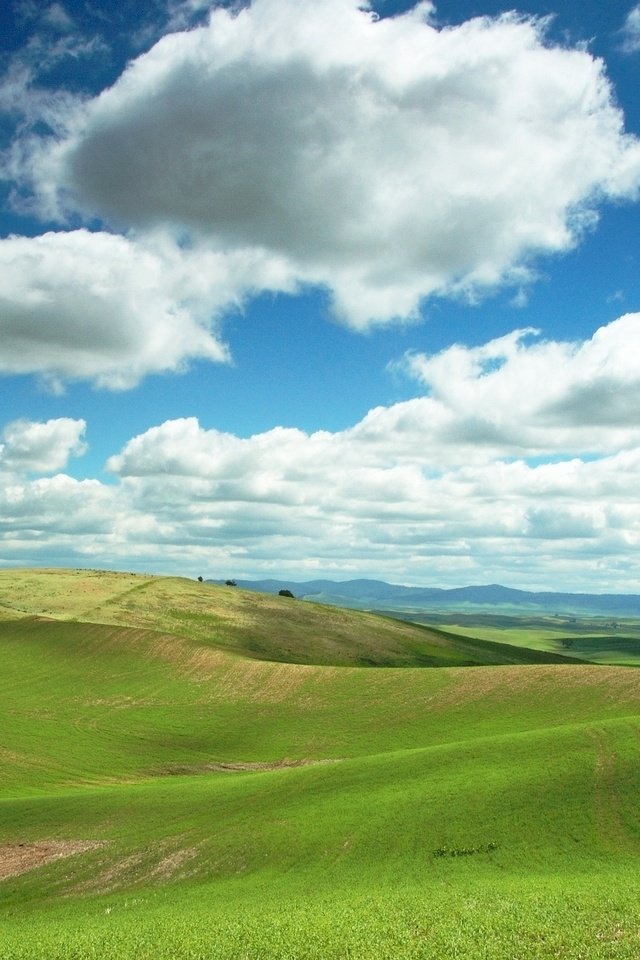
165,793
613,641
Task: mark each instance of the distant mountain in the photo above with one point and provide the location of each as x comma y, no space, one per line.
378,595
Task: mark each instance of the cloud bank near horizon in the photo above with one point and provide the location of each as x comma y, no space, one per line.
479,474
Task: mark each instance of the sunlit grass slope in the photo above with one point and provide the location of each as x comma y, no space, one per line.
255,625
219,806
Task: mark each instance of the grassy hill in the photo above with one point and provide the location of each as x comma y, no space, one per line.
251,624
165,795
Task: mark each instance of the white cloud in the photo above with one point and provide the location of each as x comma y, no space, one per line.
548,484
41,447
508,505
631,31
285,502
183,13
385,159
46,512
105,308
520,396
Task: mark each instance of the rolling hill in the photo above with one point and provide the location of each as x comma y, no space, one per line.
249,623
166,793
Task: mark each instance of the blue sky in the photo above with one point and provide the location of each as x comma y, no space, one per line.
298,289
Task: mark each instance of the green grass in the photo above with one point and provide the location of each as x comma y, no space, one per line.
588,639
487,812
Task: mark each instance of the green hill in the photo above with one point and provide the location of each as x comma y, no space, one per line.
164,795
256,625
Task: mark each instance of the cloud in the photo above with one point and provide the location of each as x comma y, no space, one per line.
41,447
56,17
517,395
285,503
631,31
384,159
504,521
501,471
104,308
48,511
457,504
183,14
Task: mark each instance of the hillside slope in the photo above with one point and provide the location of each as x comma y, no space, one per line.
164,799
257,625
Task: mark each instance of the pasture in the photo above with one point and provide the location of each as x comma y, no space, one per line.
175,785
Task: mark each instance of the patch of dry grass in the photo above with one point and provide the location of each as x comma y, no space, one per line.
469,685
18,858
61,593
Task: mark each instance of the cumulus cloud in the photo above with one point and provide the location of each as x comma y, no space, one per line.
545,484
514,397
49,510
517,394
41,447
288,503
104,308
385,159
293,504
527,495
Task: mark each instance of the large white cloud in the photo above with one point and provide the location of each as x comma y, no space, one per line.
525,496
105,308
549,483
41,447
386,159
515,395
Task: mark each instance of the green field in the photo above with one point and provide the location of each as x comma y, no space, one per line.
198,772
614,641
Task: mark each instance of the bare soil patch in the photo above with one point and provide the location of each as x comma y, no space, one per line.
17,858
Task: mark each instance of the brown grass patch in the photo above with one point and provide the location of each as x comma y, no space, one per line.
158,862
169,865
237,766
114,876
470,684
17,858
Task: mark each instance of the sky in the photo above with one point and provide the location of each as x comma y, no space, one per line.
302,289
